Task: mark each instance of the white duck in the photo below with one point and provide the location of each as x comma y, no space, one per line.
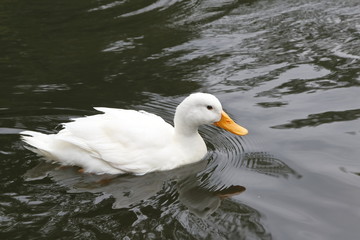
129,141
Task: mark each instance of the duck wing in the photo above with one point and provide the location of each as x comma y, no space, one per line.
128,140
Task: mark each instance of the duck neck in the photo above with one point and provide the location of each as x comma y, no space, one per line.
187,135
185,128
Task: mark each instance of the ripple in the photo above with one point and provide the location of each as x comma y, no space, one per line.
107,6
44,119
273,43
342,54
211,44
10,131
295,79
121,45
322,118
40,88
159,5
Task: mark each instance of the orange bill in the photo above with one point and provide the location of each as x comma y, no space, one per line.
229,125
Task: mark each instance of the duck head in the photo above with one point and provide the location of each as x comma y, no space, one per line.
203,108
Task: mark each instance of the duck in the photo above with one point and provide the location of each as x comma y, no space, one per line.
120,141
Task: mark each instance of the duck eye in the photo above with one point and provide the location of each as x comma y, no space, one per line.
209,107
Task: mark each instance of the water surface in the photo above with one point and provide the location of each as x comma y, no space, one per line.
286,70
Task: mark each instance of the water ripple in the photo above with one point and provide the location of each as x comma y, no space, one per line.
107,6
159,5
289,65
322,118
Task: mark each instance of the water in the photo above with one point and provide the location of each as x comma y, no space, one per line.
286,70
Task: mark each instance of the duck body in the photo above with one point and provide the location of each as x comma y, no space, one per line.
128,141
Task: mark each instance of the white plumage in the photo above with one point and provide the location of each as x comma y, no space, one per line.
129,141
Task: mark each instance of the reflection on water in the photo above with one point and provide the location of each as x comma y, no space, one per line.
129,190
265,163
195,196
322,118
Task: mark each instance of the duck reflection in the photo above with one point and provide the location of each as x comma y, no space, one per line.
130,190
201,201
200,187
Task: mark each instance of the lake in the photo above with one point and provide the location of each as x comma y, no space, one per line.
286,70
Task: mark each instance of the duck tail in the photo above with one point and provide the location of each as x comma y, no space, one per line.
37,143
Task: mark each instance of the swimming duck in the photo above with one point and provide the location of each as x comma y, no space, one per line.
128,141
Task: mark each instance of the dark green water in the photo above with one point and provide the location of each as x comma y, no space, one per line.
287,70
